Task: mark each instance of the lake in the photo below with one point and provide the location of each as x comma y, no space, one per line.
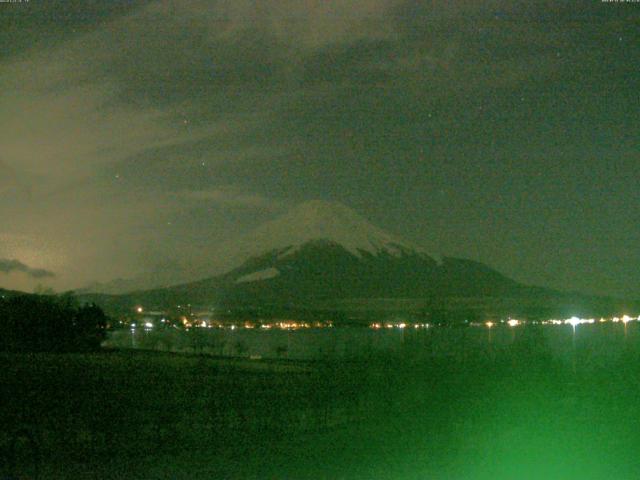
593,343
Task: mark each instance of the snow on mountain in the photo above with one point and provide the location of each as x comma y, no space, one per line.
310,221
324,252
320,220
259,275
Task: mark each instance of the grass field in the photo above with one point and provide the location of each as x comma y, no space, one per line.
519,414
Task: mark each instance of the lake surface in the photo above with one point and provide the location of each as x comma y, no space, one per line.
593,343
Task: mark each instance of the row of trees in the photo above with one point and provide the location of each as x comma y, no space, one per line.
47,323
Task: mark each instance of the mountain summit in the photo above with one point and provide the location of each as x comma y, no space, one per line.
320,220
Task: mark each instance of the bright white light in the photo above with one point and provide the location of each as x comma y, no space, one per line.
513,322
626,318
148,325
139,309
573,321
489,324
402,325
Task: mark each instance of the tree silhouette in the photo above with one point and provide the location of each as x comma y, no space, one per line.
44,323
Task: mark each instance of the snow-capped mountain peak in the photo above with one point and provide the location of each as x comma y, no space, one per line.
312,221
321,220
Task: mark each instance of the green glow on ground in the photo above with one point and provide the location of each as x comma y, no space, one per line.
521,414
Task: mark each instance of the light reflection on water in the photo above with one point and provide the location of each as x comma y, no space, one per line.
590,342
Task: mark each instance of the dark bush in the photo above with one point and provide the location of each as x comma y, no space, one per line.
43,323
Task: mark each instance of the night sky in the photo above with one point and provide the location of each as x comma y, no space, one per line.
140,137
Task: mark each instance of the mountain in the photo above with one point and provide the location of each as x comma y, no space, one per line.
160,276
324,256
323,250
319,220
10,293
118,286
307,222
321,270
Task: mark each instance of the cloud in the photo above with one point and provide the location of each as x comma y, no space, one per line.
161,129
232,197
9,266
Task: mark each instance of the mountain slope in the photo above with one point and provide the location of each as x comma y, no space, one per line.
320,251
323,254
313,220
320,270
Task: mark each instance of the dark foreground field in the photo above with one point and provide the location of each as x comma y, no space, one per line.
515,414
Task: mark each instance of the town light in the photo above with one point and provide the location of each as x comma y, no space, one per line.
573,321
